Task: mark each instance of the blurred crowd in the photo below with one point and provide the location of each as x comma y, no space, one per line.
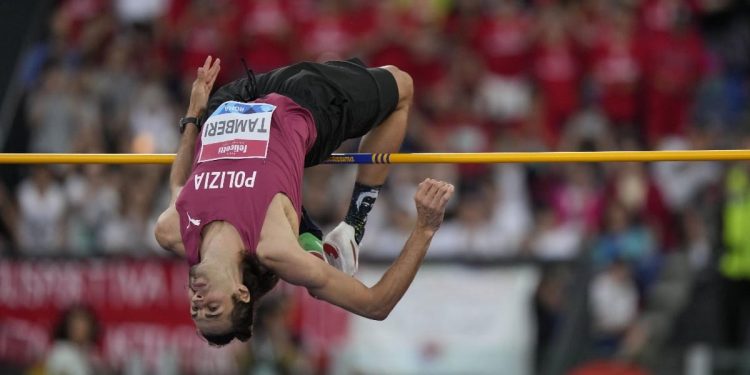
499,75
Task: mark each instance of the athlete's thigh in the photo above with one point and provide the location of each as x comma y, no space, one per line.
347,100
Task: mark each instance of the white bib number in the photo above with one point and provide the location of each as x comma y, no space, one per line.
237,131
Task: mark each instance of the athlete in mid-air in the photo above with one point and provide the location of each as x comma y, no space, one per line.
236,208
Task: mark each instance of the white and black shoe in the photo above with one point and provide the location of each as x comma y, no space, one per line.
341,249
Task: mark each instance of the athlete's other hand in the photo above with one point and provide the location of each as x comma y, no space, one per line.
202,85
431,198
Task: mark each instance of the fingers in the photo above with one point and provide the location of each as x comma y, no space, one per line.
434,189
421,189
434,193
431,198
442,195
202,71
209,71
425,190
214,72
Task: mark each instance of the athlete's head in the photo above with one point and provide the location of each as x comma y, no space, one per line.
222,307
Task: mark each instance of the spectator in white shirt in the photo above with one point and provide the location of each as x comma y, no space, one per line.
42,207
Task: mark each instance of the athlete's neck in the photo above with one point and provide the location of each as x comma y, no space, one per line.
222,250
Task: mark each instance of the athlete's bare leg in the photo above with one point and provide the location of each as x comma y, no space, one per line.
388,136
341,243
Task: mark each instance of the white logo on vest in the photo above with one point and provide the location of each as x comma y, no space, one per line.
195,222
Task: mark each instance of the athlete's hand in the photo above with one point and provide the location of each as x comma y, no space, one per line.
202,85
431,198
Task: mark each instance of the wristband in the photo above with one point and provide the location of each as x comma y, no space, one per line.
188,120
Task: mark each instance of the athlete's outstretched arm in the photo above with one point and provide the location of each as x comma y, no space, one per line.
183,161
334,286
167,229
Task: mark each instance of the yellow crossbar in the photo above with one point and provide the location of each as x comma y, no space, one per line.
415,158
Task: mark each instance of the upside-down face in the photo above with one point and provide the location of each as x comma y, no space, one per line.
211,302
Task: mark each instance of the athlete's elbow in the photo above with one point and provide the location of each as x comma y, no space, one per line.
379,311
162,241
159,235
163,236
379,315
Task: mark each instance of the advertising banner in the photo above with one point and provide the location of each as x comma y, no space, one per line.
142,306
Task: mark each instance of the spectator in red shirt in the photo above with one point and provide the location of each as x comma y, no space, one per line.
578,198
556,70
203,29
427,61
674,65
266,29
616,67
360,19
659,16
73,17
327,35
400,40
395,33
589,17
503,39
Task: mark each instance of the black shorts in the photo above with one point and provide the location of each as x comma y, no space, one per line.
346,98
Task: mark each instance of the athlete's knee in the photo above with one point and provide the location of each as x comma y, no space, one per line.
404,83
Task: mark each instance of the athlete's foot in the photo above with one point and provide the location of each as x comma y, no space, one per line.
341,249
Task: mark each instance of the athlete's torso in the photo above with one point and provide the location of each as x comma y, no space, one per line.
247,153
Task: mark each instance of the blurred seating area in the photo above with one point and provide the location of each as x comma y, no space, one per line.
490,75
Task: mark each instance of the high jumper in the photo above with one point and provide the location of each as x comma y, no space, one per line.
236,208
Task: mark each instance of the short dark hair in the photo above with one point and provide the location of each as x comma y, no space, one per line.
259,281
62,329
